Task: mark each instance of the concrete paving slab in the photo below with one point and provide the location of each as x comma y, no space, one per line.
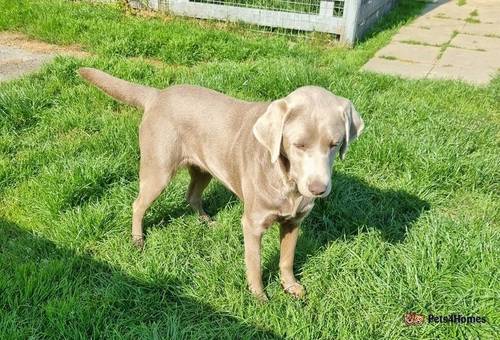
476,42
486,4
398,68
486,29
469,59
430,22
453,11
424,36
471,75
473,55
490,15
411,53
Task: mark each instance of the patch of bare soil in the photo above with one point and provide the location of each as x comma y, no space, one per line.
19,40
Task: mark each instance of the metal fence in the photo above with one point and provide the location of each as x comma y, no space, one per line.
348,19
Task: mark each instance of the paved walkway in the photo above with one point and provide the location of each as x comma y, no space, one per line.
458,39
20,55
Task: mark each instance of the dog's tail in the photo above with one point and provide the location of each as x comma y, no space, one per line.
133,94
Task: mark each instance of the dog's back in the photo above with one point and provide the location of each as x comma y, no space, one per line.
198,126
213,129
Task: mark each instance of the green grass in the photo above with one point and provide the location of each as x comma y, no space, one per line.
303,6
446,45
411,224
388,57
299,6
472,20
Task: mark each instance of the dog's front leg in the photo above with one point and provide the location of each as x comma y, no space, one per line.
289,232
252,234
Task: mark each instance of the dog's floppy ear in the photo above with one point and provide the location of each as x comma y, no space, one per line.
354,125
269,127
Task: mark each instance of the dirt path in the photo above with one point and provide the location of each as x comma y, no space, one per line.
20,55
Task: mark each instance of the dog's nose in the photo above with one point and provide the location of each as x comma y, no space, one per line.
317,188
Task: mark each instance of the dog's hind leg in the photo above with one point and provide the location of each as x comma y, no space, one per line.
199,181
159,161
153,179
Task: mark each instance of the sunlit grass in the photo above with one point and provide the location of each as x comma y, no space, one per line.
411,224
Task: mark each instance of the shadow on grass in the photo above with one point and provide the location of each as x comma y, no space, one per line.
48,290
353,207
215,198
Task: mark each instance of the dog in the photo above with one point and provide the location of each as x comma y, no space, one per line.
277,157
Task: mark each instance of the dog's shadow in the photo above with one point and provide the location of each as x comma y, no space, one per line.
167,209
354,207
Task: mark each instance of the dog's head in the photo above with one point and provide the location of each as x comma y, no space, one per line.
307,129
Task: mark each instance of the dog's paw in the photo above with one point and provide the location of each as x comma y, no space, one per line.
260,295
207,219
295,289
138,241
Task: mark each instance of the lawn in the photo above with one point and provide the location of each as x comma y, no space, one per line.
301,6
297,6
411,224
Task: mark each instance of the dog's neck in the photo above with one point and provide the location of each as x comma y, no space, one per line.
283,194
288,183
294,203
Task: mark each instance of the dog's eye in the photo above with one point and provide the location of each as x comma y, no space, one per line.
333,145
300,146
